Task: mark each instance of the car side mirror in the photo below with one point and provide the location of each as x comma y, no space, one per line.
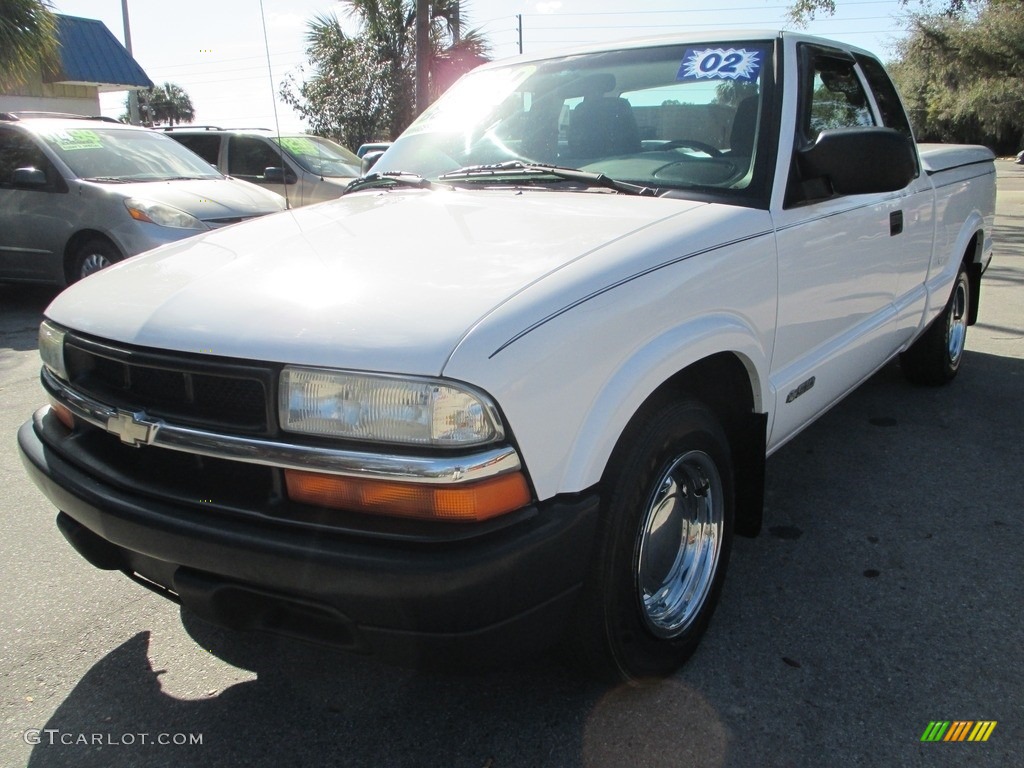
279,176
369,160
30,178
859,161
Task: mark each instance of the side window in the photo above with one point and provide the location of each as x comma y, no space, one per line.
886,96
837,98
250,156
207,146
17,151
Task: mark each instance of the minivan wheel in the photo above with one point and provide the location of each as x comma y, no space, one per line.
95,255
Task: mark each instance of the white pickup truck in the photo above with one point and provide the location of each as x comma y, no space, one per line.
519,383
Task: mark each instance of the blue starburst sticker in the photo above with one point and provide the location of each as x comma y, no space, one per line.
740,64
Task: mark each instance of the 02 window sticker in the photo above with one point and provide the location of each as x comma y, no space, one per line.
742,64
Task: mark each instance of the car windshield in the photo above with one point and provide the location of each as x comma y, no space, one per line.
122,155
320,156
679,117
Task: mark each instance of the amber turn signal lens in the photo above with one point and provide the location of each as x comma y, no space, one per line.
63,415
469,502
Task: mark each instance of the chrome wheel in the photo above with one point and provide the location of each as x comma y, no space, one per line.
956,322
667,509
935,357
679,544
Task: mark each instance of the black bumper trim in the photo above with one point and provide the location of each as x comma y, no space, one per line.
513,586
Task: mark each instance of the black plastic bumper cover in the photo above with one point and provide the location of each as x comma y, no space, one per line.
506,593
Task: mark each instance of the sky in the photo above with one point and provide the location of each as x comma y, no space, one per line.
215,50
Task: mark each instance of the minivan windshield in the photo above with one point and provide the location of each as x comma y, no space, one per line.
123,155
672,117
320,156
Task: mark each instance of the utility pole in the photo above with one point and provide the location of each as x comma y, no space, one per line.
133,95
422,55
519,18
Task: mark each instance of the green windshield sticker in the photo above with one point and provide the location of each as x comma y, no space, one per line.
299,146
69,141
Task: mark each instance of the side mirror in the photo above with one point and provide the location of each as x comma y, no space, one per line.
279,176
369,160
859,161
30,178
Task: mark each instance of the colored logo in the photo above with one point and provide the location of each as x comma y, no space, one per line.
958,730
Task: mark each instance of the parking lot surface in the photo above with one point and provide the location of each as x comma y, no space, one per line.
884,594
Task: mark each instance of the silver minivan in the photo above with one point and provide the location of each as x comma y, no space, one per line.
305,169
77,195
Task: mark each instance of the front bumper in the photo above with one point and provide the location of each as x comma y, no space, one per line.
483,593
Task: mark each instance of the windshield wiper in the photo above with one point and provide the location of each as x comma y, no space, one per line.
109,179
519,168
389,178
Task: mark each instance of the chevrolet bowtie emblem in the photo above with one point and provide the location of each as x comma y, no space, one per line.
132,428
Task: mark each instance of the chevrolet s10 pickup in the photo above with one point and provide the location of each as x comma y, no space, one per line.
517,386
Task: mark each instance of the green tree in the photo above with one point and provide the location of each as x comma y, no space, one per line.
962,77
28,39
167,103
803,11
362,87
351,96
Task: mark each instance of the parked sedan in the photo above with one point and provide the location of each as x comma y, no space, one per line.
77,195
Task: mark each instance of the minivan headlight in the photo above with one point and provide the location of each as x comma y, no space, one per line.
386,409
161,214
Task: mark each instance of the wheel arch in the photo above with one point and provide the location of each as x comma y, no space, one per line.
723,383
725,377
973,262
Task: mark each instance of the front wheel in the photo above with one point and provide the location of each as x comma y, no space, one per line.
664,545
935,357
93,256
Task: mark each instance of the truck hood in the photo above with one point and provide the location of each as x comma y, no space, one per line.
206,199
373,281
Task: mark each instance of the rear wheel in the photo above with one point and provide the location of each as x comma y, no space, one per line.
661,559
95,255
935,358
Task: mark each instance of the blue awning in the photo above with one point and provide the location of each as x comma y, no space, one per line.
91,55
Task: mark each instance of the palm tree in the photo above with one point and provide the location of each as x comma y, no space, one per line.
361,87
390,26
28,39
167,103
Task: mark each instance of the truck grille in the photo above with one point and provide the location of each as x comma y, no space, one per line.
192,390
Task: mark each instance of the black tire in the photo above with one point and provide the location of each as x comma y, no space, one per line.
94,255
934,359
622,633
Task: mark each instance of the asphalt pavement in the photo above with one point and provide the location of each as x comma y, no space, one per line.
884,594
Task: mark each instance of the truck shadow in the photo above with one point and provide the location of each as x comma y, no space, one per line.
878,597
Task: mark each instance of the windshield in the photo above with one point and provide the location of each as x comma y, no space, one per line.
320,156
118,154
671,117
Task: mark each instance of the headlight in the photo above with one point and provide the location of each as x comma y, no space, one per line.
386,409
51,349
164,215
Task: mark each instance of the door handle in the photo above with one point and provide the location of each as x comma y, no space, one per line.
895,223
